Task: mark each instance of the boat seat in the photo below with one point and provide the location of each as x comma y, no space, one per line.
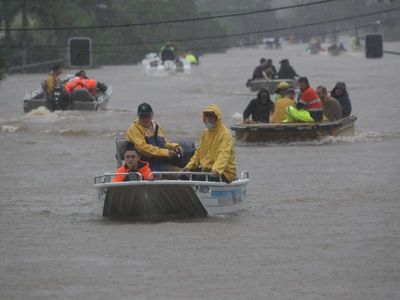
188,151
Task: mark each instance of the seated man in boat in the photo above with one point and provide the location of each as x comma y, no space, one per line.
216,152
280,106
148,138
270,69
309,106
331,107
340,93
259,71
259,108
280,91
286,71
133,164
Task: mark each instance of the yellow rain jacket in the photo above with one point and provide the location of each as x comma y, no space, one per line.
216,149
137,134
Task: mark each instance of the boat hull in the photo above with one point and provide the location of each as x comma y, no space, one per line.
291,132
36,98
170,199
270,85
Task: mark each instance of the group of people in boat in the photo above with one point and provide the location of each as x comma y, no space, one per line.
79,82
311,105
266,70
148,149
167,52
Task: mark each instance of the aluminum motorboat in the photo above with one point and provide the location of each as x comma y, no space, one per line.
168,195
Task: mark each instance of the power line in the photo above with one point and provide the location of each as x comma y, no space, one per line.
172,21
239,34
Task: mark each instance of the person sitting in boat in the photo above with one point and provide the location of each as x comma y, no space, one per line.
340,93
216,152
133,164
259,71
191,58
167,52
281,104
286,71
270,69
280,91
309,106
259,108
331,107
53,80
148,138
81,81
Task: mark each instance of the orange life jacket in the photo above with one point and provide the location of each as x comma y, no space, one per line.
81,83
143,169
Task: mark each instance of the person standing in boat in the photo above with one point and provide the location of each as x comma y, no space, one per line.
216,152
133,164
148,138
53,80
259,108
339,92
331,107
308,107
167,52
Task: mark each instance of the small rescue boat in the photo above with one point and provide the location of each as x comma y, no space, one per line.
80,99
270,85
154,66
293,132
170,195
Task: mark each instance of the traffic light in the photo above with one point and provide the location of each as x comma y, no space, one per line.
80,52
373,45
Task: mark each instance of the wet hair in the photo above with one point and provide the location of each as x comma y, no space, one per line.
323,89
56,68
130,147
80,73
303,80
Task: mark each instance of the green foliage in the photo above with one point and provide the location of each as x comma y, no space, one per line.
119,45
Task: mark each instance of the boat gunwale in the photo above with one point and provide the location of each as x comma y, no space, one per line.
297,126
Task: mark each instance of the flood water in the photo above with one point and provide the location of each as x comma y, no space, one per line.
321,219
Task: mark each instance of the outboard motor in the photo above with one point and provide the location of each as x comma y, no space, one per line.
55,101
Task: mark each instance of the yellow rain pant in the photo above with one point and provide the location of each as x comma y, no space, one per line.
297,115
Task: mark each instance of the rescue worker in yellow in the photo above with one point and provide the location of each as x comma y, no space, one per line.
190,57
216,152
53,80
148,138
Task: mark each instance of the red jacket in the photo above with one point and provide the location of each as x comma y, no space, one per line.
143,169
310,100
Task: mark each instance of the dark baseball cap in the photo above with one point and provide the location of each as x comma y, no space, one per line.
144,108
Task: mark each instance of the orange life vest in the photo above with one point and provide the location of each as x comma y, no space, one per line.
144,170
